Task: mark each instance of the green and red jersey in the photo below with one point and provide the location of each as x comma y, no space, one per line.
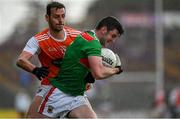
75,66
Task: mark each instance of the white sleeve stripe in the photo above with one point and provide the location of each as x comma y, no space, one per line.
32,46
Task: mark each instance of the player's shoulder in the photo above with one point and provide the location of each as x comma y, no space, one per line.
42,34
71,31
87,36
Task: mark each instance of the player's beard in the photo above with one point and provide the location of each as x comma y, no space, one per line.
55,27
103,42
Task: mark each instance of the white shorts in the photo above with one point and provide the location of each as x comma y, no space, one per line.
58,104
43,90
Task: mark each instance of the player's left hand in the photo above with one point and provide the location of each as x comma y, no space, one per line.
40,72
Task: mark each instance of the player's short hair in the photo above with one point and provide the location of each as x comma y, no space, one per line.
111,23
53,4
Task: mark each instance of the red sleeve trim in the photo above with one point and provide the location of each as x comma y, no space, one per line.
87,36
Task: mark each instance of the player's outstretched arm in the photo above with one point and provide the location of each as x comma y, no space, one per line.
24,63
100,71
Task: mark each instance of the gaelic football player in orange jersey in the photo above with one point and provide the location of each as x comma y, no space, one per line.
50,45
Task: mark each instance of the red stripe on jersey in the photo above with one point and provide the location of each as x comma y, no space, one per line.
46,99
87,36
84,61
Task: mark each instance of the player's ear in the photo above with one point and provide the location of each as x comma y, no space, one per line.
104,30
47,17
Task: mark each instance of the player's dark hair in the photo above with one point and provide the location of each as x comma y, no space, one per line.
111,23
53,4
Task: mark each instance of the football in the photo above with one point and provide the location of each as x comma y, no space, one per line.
108,57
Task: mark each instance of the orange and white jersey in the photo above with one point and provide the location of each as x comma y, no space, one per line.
49,48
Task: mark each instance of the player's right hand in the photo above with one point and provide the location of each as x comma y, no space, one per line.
40,72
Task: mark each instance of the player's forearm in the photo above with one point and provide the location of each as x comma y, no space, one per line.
98,70
25,64
104,72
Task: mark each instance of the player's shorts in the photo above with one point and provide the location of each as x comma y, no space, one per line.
58,104
43,90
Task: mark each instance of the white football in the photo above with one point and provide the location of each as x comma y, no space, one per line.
108,57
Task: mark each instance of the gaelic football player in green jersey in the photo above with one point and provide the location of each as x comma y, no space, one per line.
81,57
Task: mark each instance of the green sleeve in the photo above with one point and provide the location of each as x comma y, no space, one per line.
92,48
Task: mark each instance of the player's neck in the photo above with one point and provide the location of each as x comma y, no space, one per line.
99,36
57,35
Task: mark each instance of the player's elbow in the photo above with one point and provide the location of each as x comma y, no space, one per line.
98,75
19,62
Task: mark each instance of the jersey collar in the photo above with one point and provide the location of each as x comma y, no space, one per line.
59,40
93,31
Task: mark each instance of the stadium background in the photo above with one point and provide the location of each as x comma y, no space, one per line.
149,51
